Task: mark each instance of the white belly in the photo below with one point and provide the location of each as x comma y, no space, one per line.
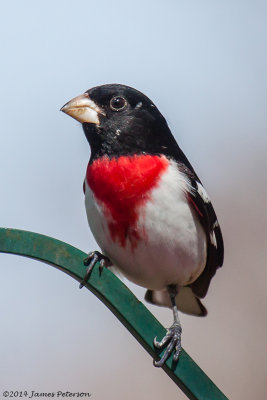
172,247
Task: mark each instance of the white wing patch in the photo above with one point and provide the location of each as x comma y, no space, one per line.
202,192
216,224
213,239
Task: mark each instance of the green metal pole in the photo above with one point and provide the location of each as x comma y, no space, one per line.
118,298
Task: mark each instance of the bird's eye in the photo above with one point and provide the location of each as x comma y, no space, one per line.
118,103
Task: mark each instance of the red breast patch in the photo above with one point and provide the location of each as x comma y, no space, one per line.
122,185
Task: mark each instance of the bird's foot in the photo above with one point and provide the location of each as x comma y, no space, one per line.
90,261
173,337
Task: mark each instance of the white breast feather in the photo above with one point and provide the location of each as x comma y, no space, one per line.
173,248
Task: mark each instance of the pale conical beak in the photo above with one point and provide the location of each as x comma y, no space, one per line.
83,109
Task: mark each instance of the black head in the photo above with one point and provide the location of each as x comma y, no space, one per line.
119,120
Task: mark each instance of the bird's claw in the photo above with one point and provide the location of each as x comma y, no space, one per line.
173,337
90,261
104,263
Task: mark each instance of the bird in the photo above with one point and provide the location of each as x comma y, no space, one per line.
146,207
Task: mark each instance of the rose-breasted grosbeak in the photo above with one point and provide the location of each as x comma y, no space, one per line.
146,207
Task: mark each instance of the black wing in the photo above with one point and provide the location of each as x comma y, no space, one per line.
207,217
199,199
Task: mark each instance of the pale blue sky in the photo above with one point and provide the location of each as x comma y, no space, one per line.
204,65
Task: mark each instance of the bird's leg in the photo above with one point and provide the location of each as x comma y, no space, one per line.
173,335
90,261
